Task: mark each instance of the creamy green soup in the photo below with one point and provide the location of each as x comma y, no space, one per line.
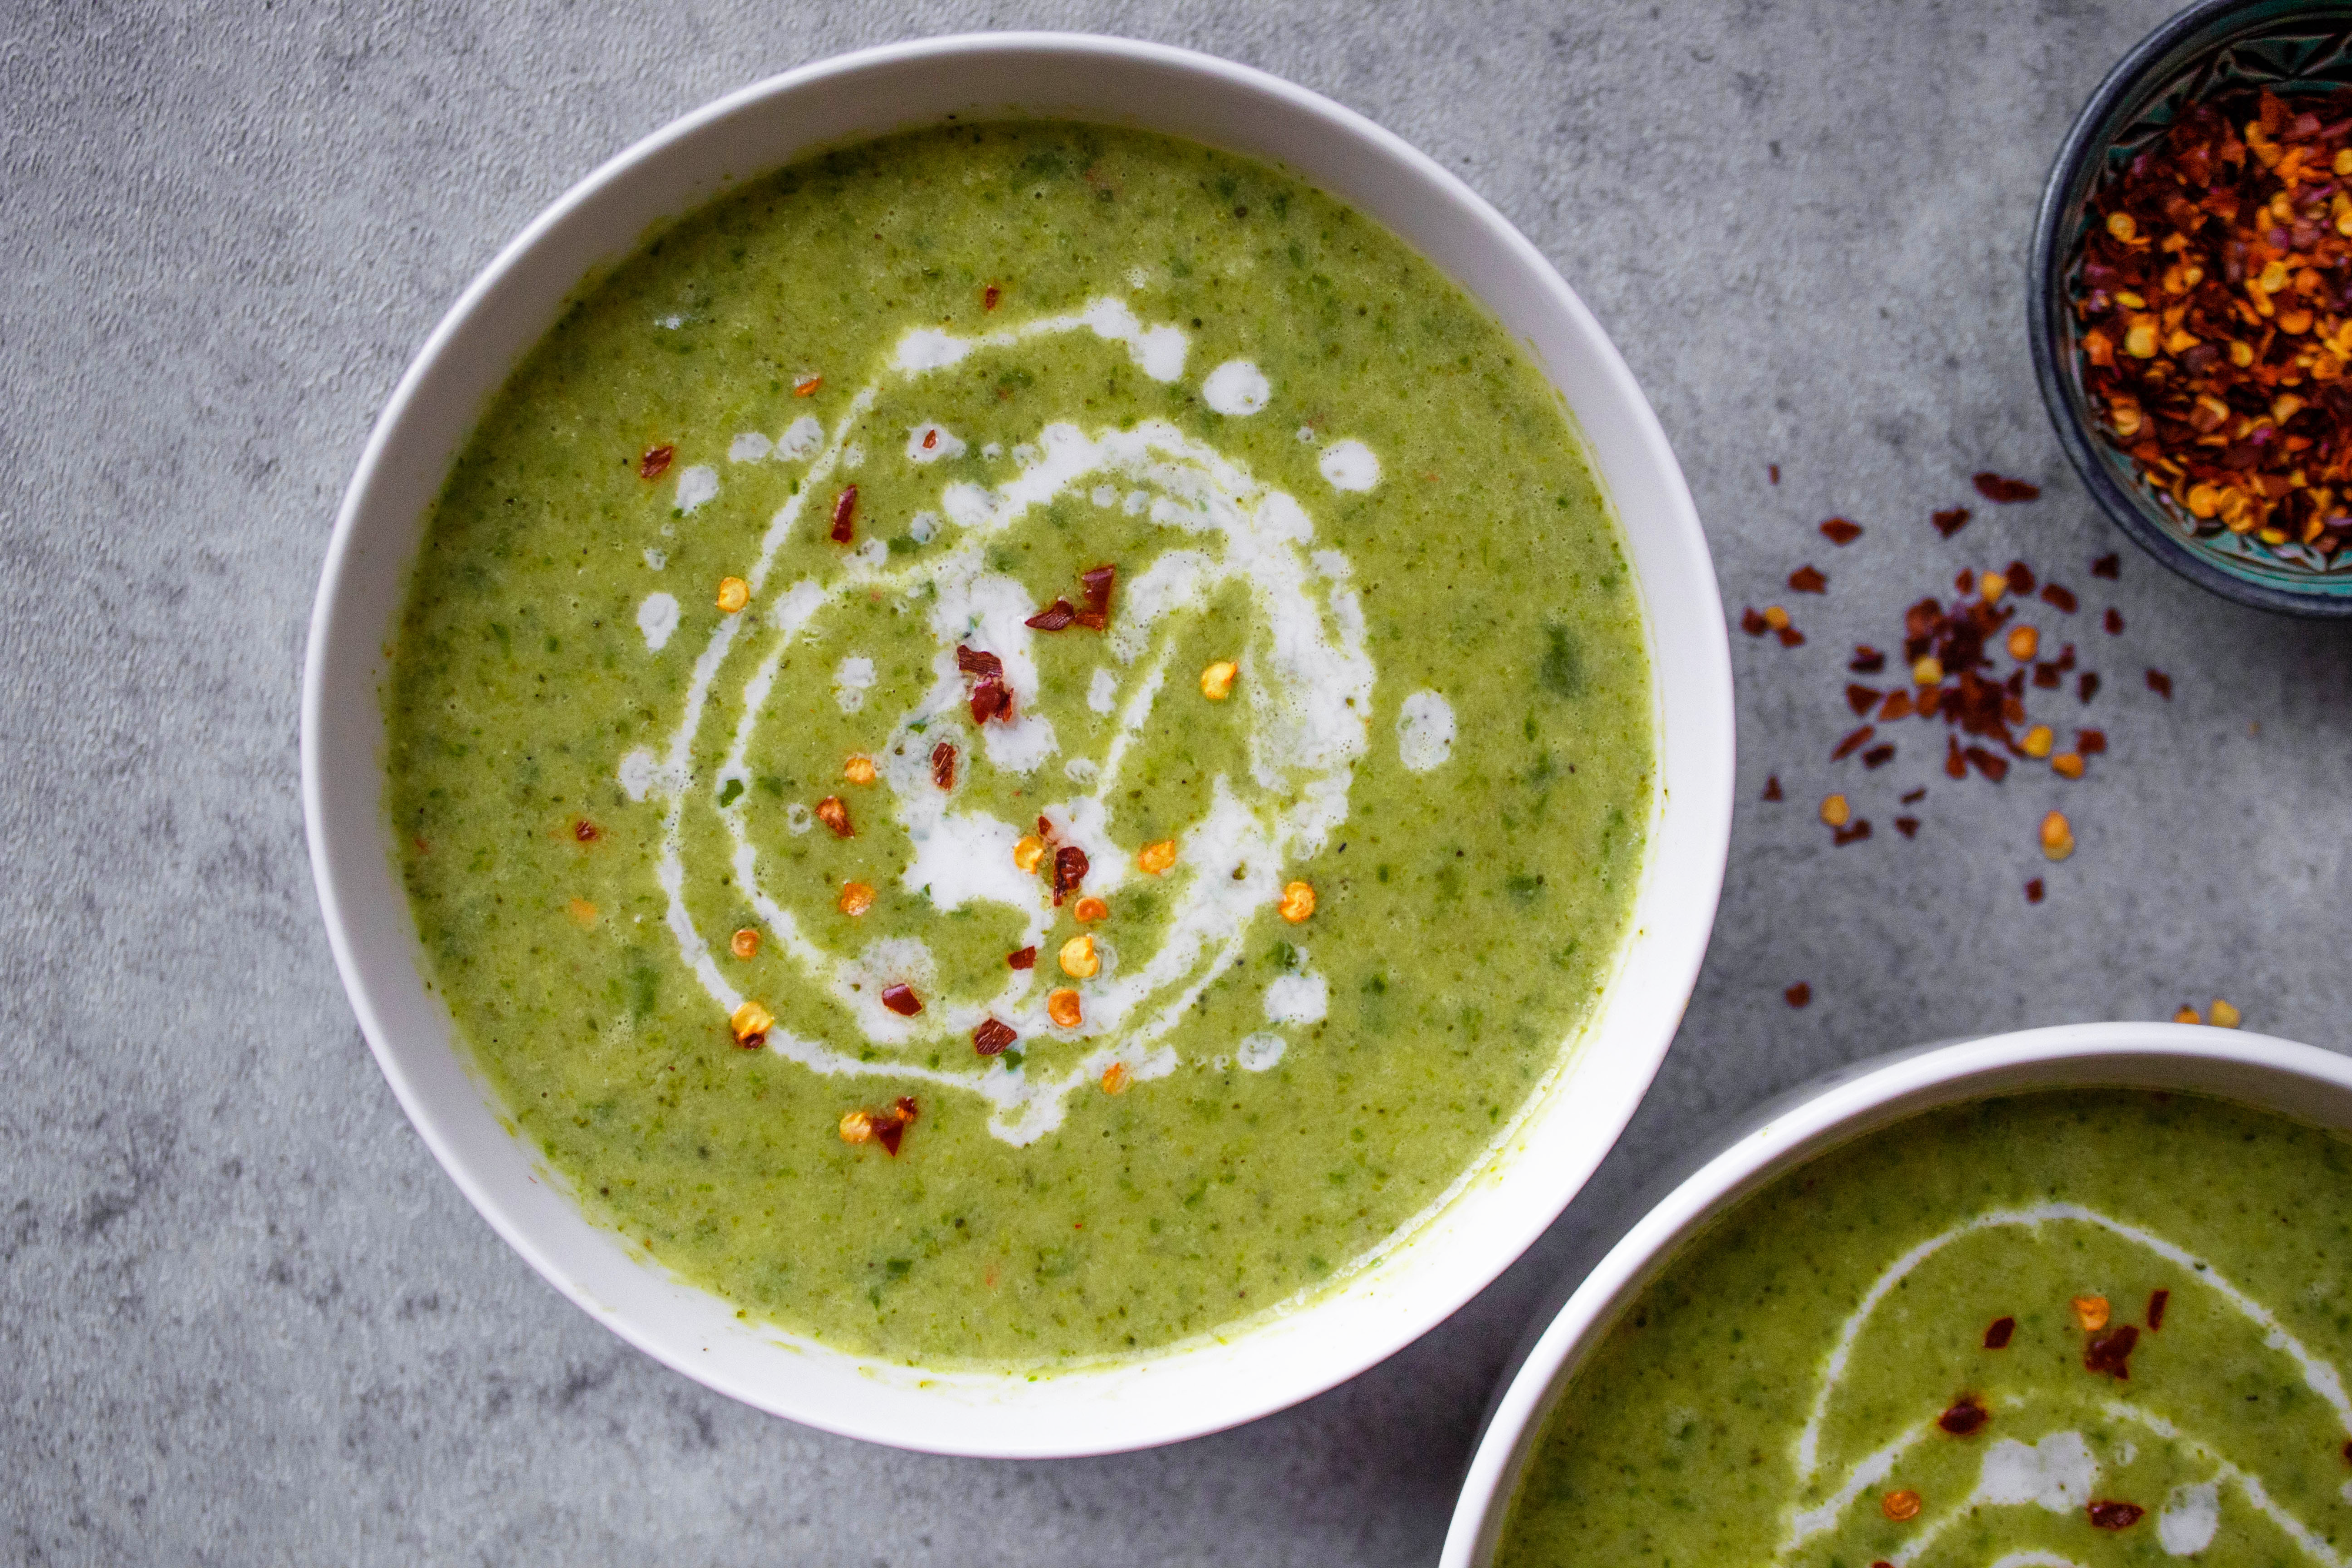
2071,1328
936,943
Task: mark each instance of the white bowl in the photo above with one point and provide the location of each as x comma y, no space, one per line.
2302,1081
1449,1254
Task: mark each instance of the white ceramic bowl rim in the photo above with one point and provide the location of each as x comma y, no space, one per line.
1203,1384
2299,1081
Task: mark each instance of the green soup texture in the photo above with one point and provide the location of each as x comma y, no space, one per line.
2076,1327
753,635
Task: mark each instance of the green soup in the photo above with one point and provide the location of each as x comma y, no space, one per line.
2077,1327
759,688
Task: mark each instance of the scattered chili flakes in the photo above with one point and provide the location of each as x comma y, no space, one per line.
1898,705
1052,618
1790,637
1913,797
734,593
1064,1008
2157,1301
1297,902
655,461
2086,686
1217,680
1854,834
805,384
751,1024
2059,598
1994,768
2108,566
900,998
581,912
859,768
991,697
1772,472
1115,1078
989,296
1776,618
1866,659
2057,836
1878,756
2223,1015
2110,1354
2033,891
1798,995
1808,579
1862,699
1998,1334
1087,911
2112,620
1069,871
1021,958
887,1126
1155,858
1753,625
1899,1506
2187,1015
2112,1515
1951,521
1907,826
2090,742
844,513
943,765
744,944
1772,788
857,898
992,1036
1079,958
2091,1312
1835,812
2002,491
1841,530
2160,684
1853,743
1098,582
835,815
1966,1417
2066,765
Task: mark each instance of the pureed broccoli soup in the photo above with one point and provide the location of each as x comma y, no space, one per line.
2076,1327
1019,742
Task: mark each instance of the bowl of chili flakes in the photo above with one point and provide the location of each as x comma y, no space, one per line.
2191,299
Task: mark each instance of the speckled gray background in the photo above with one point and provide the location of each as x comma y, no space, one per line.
243,1316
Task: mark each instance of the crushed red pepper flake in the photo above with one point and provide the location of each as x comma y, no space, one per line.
2110,1352
1753,625
1052,618
2114,621
845,515
1993,768
1790,637
2020,577
1966,1417
1021,958
1853,743
1798,995
2160,684
900,998
1898,705
1772,788
585,830
1907,826
1862,699
833,815
1965,583
943,765
2086,686
1808,579
890,1126
1866,659
2113,1515
1913,797
2108,566
989,296
1841,530
2033,891
2060,598
1951,520
2002,490
2157,1301
655,461
1878,756
992,1037
1069,870
2090,742
1853,833
1998,1334
1772,472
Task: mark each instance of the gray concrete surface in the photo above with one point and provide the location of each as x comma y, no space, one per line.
243,1317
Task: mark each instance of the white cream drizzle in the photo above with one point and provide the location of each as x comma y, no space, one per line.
1307,690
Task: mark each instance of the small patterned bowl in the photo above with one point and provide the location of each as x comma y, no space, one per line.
2213,46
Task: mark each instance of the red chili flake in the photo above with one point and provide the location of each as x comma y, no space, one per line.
931,439
2114,621
1966,1417
1913,797
1964,584
2348,1451
1022,959
1054,617
2060,598
1840,531
1993,768
992,1037
1045,829
989,296
1790,637
2108,566
1948,523
1772,788
2160,684
1997,1336
890,1125
584,831
845,515
1896,706
655,461
1098,580
1808,579
1752,624
991,699
2001,491
2116,1515
2066,659
1878,756
1069,870
833,815
1853,834
2086,686
2020,577
1853,743
1772,471
1798,995
2033,891
2157,1301
976,662
943,761
2048,676
1866,659
2090,742
2110,1352
1956,766
1907,826
900,998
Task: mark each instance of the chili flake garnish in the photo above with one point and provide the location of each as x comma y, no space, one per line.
1899,1506
989,296
992,1037
857,898
2110,1352
943,761
1098,583
744,944
1851,835
2113,620
2033,891
655,461
2108,566
1063,1006
845,514
2157,1301
887,1126
1808,579
1052,618
1951,520
1798,995
1752,624
2003,491
1155,858
900,998
1853,743
1069,870
2061,598
1967,1415
751,1024
2223,1015
1841,530
1772,788
1087,911
834,815
806,382
991,697
1907,826
1021,958
2091,1311
1997,1336
1866,661
2116,1515
2160,684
